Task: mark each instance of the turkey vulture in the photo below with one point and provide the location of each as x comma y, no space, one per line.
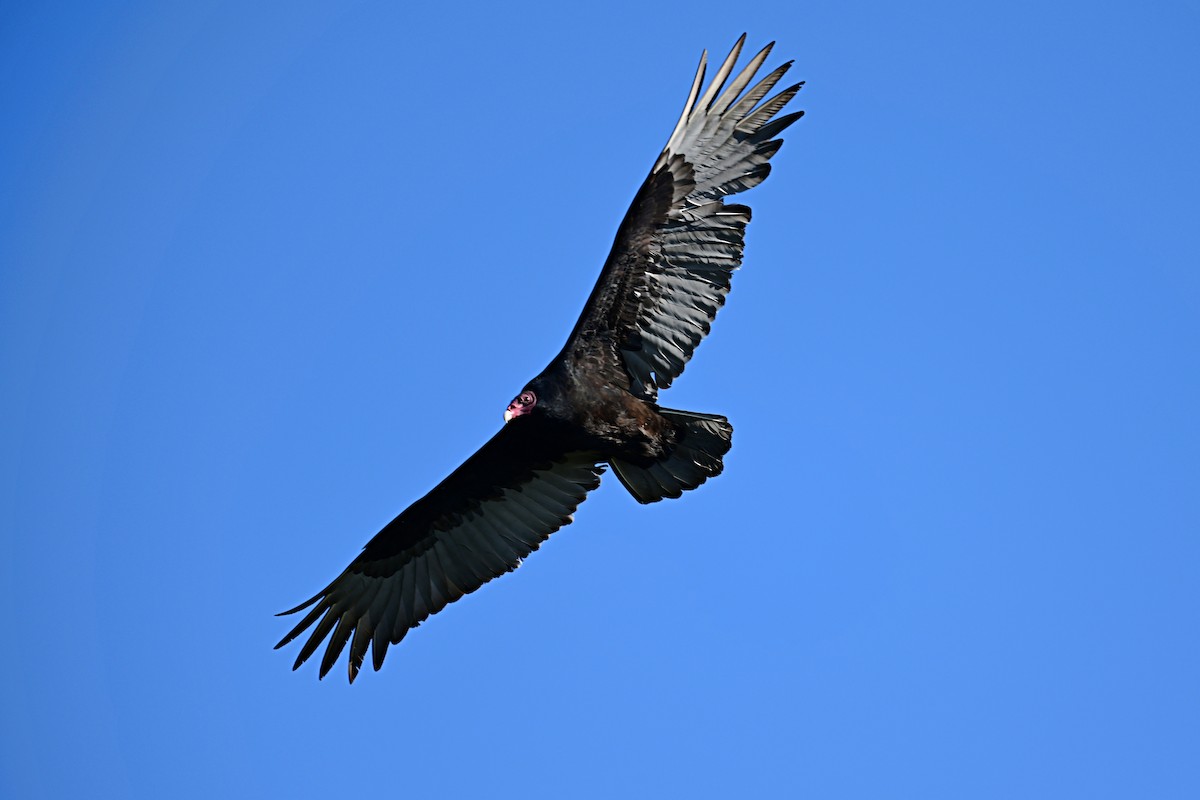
596,402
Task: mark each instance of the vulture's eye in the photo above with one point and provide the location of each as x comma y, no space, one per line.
526,398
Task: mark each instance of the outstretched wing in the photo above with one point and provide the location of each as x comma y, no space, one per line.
476,525
670,266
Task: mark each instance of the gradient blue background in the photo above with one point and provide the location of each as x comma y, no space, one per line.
267,274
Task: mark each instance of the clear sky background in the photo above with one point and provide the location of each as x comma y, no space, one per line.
268,274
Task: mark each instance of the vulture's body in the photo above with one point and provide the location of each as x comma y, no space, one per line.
596,403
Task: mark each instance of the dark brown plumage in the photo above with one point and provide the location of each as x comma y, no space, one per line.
596,402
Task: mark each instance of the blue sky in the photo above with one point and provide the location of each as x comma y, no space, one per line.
267,275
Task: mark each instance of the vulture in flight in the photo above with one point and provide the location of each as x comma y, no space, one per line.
596,404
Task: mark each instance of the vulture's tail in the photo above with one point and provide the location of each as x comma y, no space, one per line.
703,440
